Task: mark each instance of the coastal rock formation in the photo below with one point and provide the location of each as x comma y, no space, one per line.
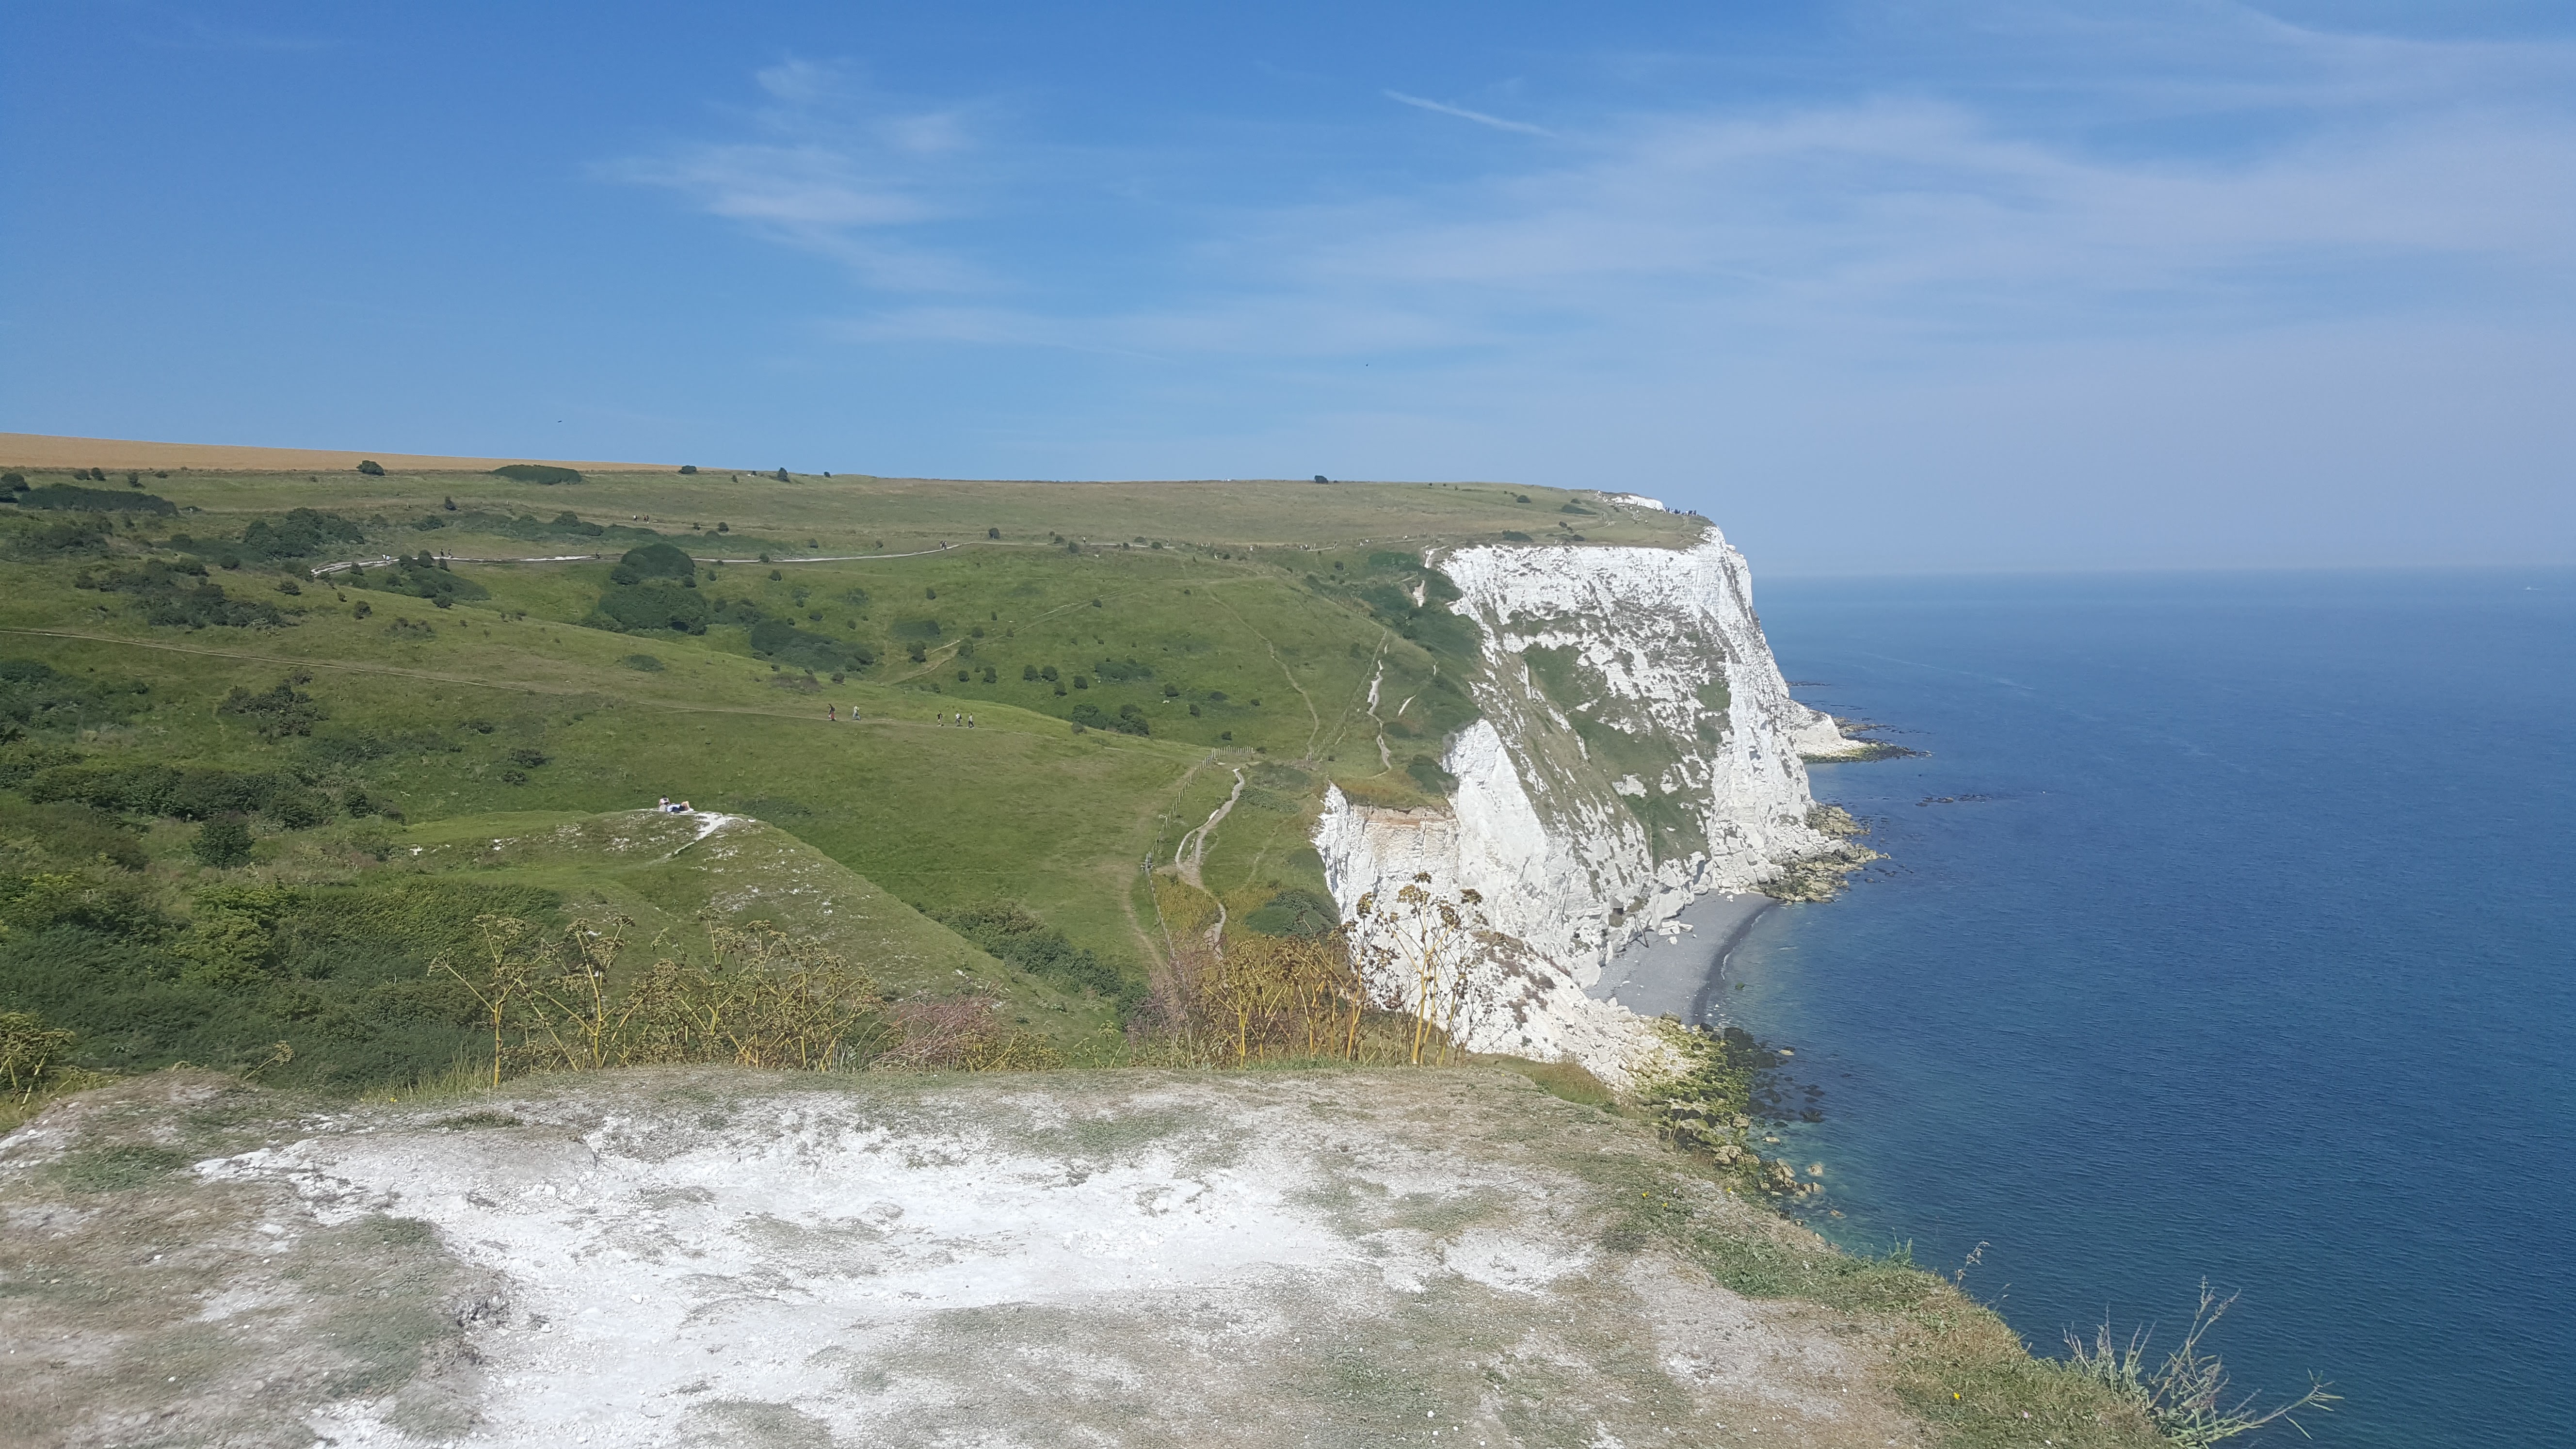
1637,747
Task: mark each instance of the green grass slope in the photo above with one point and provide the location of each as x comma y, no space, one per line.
803,652
667,873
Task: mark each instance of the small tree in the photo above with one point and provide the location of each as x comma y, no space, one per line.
221,843
780,475
688,469
992,533
371,467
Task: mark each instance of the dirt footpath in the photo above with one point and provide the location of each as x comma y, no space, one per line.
704,1257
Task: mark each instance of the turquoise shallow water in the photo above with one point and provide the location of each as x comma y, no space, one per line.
2245,947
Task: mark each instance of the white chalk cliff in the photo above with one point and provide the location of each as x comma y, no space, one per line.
1636,747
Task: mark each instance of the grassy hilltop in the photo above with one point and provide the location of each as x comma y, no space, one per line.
410,744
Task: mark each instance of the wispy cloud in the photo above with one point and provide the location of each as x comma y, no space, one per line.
840,173
2273,262
1462,113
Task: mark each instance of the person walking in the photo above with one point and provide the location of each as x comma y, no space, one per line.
828,715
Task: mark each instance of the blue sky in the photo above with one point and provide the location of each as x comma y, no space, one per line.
1878,286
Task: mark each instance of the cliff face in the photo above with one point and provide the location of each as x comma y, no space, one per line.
1636,747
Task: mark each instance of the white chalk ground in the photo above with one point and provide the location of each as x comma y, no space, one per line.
706,1257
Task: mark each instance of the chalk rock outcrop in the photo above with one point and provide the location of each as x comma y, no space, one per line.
1637,747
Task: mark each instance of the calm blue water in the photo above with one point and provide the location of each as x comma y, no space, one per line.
2256,959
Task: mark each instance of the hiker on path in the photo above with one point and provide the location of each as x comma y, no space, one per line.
828,715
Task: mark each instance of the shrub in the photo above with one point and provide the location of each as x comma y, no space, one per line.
221,843
161,589
658,605
14,482
656,561
1012,935
65,498
422,577
645,662
371,467
780,475
35,695
688,469
276,713
537,473
988,533
779,638
1295,911
185,792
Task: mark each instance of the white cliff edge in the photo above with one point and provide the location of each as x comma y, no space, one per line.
1637,747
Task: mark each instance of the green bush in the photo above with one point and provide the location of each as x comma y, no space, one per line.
657,561
371,467
64,497
182,792
276,713
782,641
657,605
1295,911
537,473
34,695
221,842
169,598
1426,772
340,974
298,533
1010,934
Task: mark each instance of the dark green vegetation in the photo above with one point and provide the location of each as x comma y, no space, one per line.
537,473
257,726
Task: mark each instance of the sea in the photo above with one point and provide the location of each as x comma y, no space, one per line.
2227,933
